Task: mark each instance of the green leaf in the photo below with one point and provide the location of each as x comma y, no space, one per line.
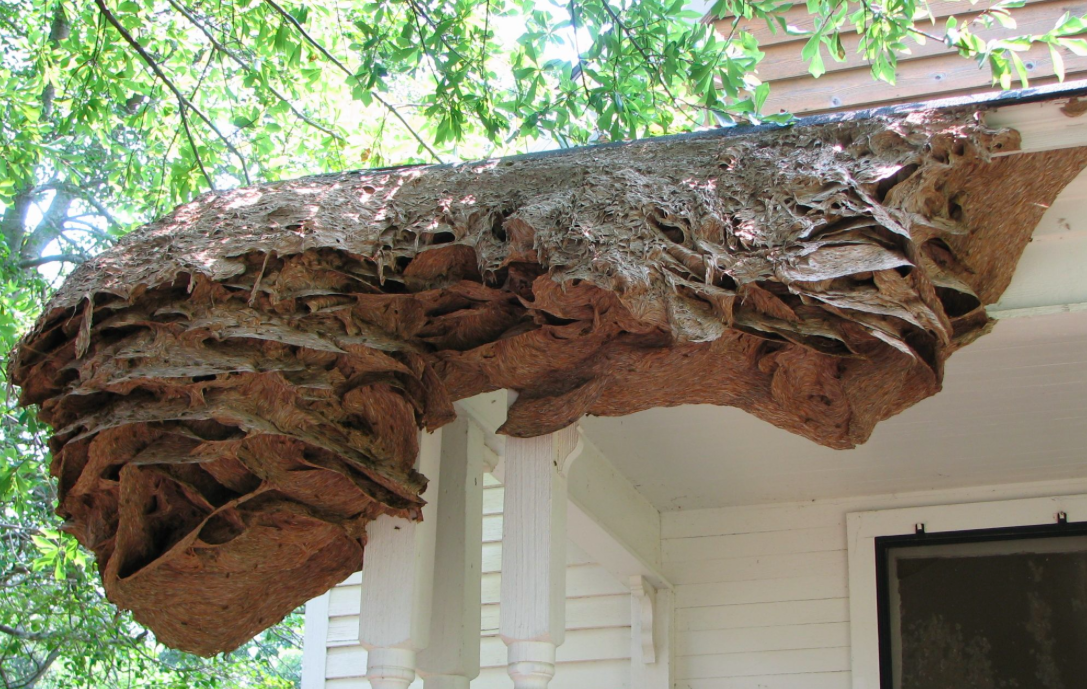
1077,46
1004,18
1020,68
761,92
811,54
837,50
1070,26
1058,62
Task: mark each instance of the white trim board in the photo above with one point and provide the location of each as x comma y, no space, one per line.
1043,126
864,527
314,642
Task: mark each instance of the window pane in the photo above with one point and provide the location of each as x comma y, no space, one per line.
989,615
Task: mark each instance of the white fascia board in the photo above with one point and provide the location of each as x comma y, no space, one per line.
314,642
1043,126
1051,276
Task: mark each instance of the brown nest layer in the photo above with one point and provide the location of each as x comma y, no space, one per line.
237,388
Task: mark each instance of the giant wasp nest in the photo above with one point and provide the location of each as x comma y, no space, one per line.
236,389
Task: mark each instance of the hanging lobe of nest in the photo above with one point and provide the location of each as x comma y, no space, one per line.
236,389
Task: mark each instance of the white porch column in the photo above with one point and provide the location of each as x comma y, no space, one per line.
451,660
397,583
533,606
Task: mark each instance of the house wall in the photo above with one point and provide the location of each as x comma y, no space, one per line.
596,654
762,591
930,71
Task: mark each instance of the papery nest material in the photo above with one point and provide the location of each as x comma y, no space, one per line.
236,389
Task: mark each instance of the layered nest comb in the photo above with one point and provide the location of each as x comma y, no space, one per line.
237,388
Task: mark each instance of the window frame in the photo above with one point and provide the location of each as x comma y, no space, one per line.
865,562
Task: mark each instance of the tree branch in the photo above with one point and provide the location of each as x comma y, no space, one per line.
331,58
13,221
82,192
53,258
94,203
14,29
578,67
195,151
249,68
82,226
21,529
183,102
20,634
419,12
51,225
40,672
655,71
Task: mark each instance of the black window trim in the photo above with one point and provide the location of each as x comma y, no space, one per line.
885,543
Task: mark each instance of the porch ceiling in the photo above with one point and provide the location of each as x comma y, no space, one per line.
1013,409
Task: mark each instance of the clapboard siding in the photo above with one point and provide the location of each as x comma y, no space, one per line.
781,60
583,612
917,80
761,663
759,591
831,563
606,674
597,648
760,615
762,591
800,20
801,540
931,70
810,680
792,638
581,645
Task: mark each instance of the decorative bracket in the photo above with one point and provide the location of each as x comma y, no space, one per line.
565,462
643,604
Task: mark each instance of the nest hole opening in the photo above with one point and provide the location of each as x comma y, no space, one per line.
883,189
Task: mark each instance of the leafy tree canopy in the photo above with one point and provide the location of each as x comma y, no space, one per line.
113,111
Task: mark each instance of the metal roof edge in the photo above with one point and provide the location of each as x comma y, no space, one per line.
985,101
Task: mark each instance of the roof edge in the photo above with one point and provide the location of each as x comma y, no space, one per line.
985,101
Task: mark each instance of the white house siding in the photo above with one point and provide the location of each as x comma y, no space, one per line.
762,592
596,654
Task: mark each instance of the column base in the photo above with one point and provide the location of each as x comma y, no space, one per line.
446,682
390,668
531,664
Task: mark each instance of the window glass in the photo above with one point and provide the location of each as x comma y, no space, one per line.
990,614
